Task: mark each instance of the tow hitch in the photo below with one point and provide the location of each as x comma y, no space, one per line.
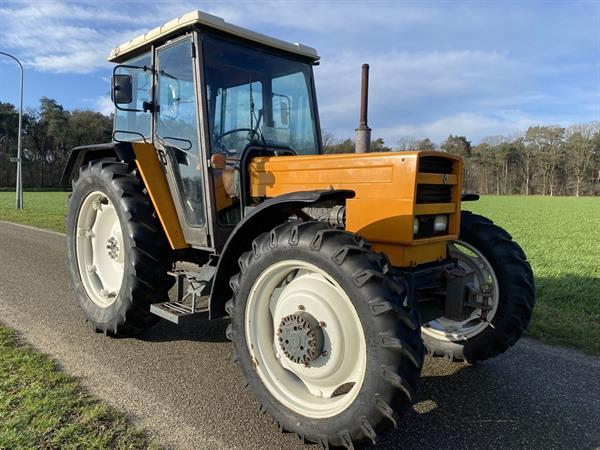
463,296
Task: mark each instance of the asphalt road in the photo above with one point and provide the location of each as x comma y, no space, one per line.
179,382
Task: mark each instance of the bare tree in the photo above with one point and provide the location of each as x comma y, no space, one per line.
328,138
580,148
545,142
407,143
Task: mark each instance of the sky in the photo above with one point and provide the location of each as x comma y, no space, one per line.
437,68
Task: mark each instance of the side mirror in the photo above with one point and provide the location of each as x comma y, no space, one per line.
122,89
132,88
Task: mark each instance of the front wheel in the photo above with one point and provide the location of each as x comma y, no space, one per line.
321,334
504,276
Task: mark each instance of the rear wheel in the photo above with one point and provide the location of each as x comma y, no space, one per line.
504,277
118,255
321,335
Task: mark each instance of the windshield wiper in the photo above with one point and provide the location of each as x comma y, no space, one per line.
253,116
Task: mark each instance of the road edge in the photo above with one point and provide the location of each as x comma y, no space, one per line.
31,227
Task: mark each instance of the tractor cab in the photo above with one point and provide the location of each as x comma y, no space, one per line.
204,92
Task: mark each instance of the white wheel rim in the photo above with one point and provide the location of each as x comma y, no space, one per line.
99,249
280,291
469,258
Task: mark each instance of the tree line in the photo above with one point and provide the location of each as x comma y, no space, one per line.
544,160
49,134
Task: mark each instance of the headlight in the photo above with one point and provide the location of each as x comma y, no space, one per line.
440,223
416,225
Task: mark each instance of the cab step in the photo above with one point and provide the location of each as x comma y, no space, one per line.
178,312
192,304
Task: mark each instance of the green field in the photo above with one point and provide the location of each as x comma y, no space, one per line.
561,236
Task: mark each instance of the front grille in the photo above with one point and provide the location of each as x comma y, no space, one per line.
435,164
434,193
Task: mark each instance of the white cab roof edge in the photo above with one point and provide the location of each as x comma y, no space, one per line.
199,17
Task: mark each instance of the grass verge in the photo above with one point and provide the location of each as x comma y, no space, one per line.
43,408
41,209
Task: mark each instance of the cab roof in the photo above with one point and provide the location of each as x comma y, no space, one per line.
198,17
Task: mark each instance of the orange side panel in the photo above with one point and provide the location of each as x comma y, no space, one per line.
384,184
150,168
370,175
384,206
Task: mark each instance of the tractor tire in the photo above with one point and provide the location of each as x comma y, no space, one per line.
513,296
118,255
361,375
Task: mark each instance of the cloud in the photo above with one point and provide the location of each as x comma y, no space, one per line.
323,17
474,126
64,38
407,89
468,68
104,105
414,75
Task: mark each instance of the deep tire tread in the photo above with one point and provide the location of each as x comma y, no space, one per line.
401,350
146,278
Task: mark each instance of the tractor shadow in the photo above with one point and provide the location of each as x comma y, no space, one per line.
199,330
517,400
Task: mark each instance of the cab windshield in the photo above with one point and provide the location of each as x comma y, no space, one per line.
257,97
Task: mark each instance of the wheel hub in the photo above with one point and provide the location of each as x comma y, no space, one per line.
112,245
300,337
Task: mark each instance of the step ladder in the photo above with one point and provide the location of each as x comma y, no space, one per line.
191,304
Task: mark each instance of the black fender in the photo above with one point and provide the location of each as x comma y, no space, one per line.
264,217
123,151
469,197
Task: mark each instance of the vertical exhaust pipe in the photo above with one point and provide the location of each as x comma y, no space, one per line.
363,132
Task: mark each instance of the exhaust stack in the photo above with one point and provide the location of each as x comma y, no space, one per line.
363,132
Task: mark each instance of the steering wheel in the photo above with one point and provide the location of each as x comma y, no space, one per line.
235,130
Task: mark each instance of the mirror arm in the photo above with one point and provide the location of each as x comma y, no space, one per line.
147,106
144,68
127,109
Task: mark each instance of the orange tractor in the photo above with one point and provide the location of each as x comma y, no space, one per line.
338,272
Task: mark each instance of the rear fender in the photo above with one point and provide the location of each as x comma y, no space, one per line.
123,151
144,156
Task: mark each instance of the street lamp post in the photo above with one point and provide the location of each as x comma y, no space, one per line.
19,156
